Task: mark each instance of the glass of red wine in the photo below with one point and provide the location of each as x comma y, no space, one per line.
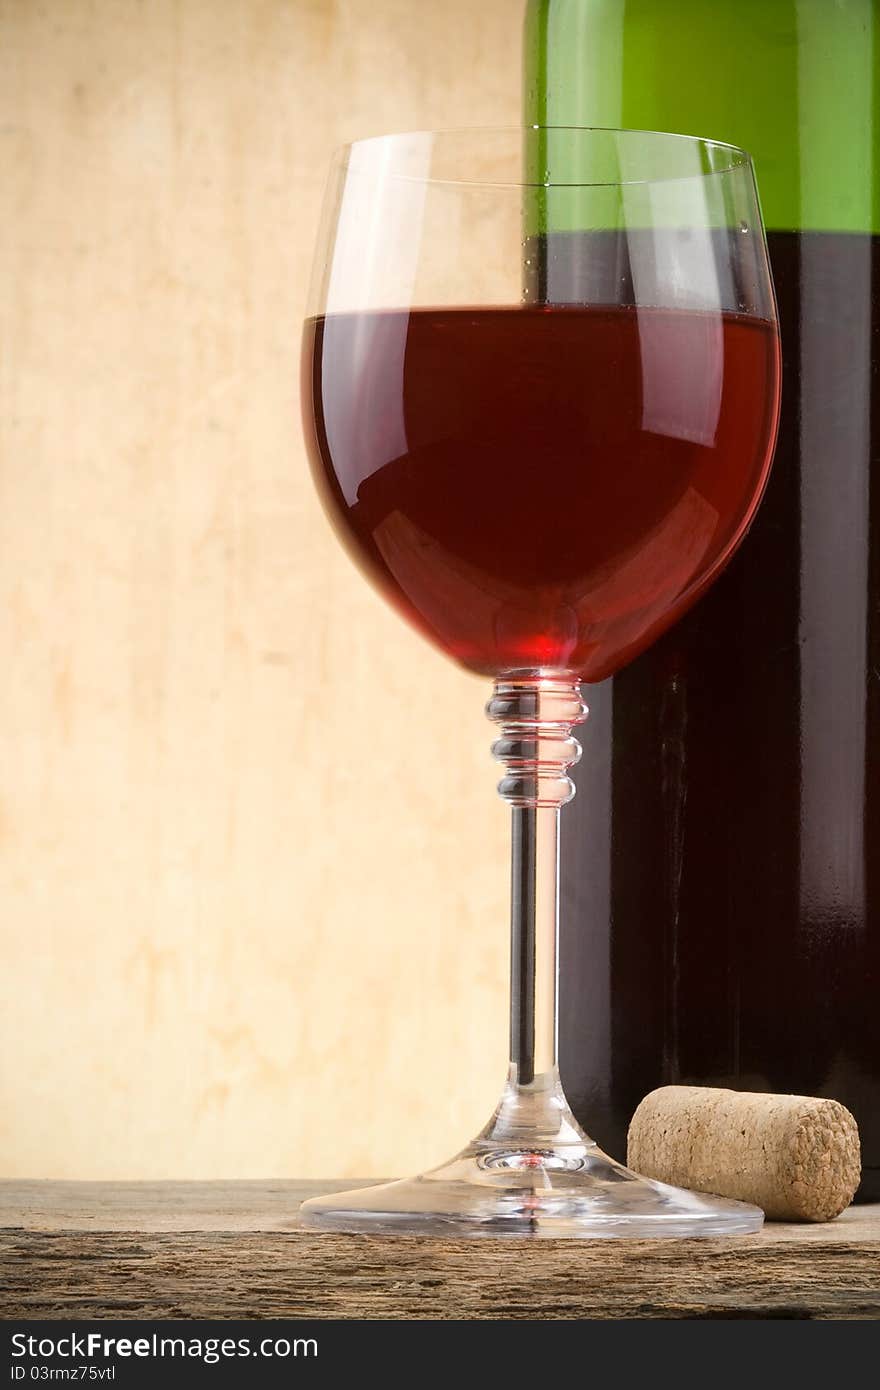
540,392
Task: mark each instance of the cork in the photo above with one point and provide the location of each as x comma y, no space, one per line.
796,1157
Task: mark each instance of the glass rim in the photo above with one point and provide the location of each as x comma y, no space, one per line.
739,159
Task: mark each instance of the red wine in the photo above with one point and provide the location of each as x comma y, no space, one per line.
541,486
720,915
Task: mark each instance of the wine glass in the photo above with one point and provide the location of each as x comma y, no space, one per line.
540,393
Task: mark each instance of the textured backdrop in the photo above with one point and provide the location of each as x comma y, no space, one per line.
252,873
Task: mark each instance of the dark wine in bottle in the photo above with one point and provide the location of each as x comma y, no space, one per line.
721,896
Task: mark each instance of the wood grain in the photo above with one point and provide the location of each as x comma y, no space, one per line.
72,1250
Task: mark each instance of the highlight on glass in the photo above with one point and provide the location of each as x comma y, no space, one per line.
541,450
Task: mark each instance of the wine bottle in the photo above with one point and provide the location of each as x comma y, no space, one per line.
721,897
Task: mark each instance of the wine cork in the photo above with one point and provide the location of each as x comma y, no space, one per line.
796,1157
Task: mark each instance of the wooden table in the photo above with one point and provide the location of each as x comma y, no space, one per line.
235,1250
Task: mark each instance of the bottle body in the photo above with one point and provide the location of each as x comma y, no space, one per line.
721,865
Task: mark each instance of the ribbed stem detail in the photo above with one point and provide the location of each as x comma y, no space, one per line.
536,713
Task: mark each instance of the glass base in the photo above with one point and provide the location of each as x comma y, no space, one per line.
520,1192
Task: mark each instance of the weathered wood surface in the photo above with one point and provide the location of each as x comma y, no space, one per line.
183,1250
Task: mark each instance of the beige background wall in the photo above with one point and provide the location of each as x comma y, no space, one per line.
252,874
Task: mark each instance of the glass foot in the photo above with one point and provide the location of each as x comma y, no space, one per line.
574,1191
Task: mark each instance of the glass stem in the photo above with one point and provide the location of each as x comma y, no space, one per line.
534,930
536,712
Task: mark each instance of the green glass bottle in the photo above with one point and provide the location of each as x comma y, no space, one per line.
721,907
